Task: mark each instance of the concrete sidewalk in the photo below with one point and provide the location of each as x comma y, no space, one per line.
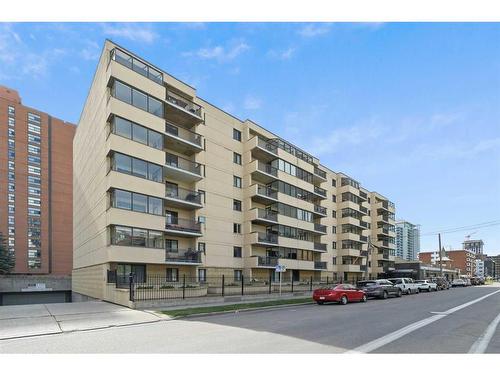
34,320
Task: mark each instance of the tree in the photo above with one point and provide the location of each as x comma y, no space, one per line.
6,257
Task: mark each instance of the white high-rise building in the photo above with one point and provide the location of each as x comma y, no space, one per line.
407,240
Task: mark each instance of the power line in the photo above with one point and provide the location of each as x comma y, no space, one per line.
464,228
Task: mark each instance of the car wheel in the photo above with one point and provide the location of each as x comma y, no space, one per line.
385,295
399,294
363,299
408,291
343,300
417,291
319,302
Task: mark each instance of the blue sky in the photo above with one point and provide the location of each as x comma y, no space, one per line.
409,110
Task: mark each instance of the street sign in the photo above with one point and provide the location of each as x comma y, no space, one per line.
280,268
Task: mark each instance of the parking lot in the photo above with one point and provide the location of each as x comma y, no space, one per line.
448,321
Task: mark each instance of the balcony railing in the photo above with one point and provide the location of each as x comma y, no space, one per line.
364,253
272,148
320,228
184,134
268,261
319,172
184,103
267,214
363,238
185,225
183,255
267,191
320,246
320,191
319,209
320,265
181,163
363,209
183,194
267,237
362,267
267,168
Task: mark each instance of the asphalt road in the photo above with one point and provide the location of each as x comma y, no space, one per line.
452,321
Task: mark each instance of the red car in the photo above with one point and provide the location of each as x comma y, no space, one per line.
341,293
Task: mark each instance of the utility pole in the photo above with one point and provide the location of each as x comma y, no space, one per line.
440,256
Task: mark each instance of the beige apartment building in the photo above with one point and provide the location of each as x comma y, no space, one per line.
168,184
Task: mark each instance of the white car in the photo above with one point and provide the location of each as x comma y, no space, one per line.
426,285
458,282
406,285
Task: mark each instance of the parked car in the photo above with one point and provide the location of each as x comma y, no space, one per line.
406,285
379,288
458,282
426,285
341,293
442,283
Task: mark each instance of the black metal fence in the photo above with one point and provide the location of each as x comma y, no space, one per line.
157,287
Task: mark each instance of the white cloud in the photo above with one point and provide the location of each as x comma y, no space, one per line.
283,54
315,29
252,102
220,53
135,32
91,51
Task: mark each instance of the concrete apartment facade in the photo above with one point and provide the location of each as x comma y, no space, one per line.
465,260
475,246
35,196
407,240
167,184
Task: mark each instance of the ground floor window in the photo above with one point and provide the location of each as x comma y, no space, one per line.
172,274
237,275
202,275
139,270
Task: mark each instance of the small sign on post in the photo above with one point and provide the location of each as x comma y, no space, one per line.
280,269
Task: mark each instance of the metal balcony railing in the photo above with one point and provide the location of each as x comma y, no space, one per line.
184,134
320,228
319,172
362,267
267,191
363,238
267,237
184,103
185,195
183,255
272,148
181,163
267,214
320,246
320,191
185,225
364,253
267,168
319,209
320,265
268,261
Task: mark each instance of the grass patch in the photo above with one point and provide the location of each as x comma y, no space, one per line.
239,306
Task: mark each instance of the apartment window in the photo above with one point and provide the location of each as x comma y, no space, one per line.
12,154
236,135
334,198
34,211
12,122
34,170
202,196
34,201
12,143
202,275
12,187
202,219
11,165
34,180
11,198
32,128
137,98
172,246
237,181
334,245
12,176
139,202
136,202
11,110
334,213
334,260
34,138
34,159
137,167
202,248
236,228
137,133
237,275
172,274
136,65
236,205
334,229
237,251
11,220
32,149
236,158
334,183
11,133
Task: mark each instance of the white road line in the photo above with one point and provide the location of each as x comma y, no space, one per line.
483,341
384,340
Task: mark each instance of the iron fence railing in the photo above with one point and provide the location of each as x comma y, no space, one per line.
182,194
184,103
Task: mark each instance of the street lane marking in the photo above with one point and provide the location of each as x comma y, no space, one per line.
384,340
483,341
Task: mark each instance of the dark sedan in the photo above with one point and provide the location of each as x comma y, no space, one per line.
379,288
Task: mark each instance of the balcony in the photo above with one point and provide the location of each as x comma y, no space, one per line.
263,216
364,253
320,228
320,210
182,111
183,198
363,238
262,149
182,227
320,246
319,191
267,262
182,169
362,267
351,267
319,265
319,175
183,256
266,238
263,194
263,172
182,140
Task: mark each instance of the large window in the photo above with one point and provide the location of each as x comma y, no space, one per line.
292,170
137,167
136,202
137,133
137,98
236,135
127,236
137,65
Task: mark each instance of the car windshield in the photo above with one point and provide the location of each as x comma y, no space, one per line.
395,281
366,283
